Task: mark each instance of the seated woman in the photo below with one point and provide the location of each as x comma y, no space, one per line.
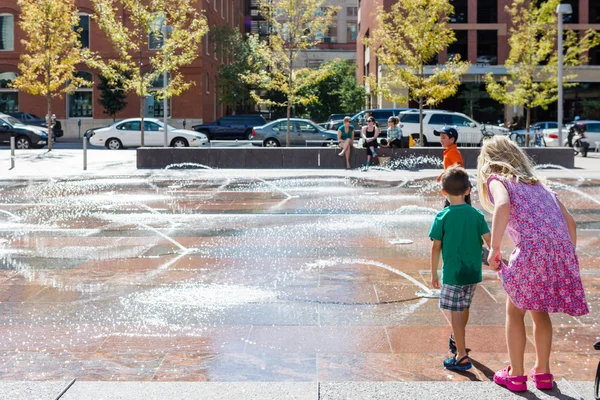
346,139
394,133
370,133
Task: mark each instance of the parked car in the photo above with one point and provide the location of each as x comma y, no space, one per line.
486,60
127,133
335,117
34,120
548,128
26,136
469,131
381,116
303,132
592,133
28,119
231,127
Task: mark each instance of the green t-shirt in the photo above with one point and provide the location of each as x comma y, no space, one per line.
344,134
460,229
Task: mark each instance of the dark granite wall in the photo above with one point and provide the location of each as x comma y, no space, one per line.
318,158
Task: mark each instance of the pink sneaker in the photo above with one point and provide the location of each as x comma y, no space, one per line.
512,383
542,381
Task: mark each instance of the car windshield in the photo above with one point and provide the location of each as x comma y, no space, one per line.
171,128
13,121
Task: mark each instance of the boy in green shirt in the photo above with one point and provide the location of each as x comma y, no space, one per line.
457,233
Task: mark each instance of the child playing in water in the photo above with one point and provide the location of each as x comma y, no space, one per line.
542,275
456,233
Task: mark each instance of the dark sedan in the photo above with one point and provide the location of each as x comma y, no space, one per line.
26,136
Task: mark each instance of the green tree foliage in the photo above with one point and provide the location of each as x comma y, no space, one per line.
532,75
296,25
338,93
408,36
52,51
130,38
233,91
112,97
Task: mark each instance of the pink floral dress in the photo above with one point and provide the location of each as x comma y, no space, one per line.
543,271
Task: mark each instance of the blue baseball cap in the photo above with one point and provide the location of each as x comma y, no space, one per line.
447,130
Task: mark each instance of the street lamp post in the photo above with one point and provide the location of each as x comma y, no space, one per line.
561,10
165,30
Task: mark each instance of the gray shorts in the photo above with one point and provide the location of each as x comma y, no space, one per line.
456,297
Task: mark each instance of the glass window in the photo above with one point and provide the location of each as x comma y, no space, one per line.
79,103
352,11
151,126
439,119
155,38
487,12
460,46
487,47
227,121
130,126
574,17
594,12
461,12
305,127
592,127
84,34
379,115
412,118
7,32
9,97
331,35
351,32
457,120
552,125
282,126
154,108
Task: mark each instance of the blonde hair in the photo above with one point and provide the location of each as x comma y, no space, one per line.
501,156
347,119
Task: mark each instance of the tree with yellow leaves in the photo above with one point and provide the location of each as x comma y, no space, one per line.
52,51
295,26
146,23
532,63
406,39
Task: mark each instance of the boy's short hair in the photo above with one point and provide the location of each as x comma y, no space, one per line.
455,181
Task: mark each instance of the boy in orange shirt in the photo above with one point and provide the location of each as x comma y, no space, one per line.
448,138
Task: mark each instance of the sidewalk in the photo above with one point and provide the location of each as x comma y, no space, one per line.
285,391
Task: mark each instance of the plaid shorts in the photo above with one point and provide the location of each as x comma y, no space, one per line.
456,297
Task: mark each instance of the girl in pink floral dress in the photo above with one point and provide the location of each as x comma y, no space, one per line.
542,275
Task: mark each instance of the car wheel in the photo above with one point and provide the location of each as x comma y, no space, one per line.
179,142
114,144
520,139
271,143
23,142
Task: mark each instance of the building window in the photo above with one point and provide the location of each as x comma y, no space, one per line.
7,32
323,10
206,40
207,83
461,12
154,108
487,12
352,11
594,12
9,97
460,46
351,32
314,64
331,35
574,17
84,34
79,103
155,38
487,47
594,56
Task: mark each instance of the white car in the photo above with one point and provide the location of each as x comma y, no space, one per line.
470,132
127,133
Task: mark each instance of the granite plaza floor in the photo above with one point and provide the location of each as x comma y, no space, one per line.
187,277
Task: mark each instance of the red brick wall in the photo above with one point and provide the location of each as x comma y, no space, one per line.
194,103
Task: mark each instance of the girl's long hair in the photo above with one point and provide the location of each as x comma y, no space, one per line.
501,156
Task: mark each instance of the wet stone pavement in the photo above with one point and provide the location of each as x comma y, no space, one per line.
192,278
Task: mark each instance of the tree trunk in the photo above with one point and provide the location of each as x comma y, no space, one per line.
142,98
49,121
287,135
527,122
421,122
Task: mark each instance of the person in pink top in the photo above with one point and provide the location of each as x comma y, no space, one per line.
542,275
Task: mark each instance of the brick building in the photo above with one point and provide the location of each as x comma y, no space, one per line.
481,28
197,104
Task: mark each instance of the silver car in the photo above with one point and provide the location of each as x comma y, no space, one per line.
303,132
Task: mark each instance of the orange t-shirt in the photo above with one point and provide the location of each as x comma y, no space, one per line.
452,156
